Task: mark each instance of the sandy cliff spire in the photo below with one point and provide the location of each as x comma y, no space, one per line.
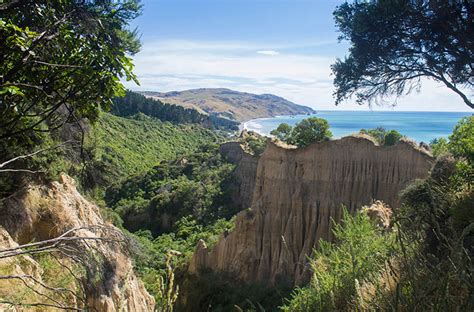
295,195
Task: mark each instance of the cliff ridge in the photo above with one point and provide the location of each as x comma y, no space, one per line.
296,193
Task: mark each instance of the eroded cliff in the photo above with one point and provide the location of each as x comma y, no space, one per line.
45,211
296,193
244,173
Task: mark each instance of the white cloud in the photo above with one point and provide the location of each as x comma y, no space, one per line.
304,79
268,52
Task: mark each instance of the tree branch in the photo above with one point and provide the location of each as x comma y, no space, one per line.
29,156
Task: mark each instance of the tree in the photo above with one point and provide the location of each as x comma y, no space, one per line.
392,137
396,43
378,134
310,130
61,61
282,132
461,141
382,136
439,146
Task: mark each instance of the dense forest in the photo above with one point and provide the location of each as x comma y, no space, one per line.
133,103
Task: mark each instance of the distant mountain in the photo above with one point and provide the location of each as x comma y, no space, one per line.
231,104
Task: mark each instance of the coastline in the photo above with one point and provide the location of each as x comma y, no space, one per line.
256,127
419,126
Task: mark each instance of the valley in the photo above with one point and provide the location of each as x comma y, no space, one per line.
148,201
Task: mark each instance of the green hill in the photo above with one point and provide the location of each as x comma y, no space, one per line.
129,146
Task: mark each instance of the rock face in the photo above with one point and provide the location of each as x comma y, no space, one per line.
43,212
296,194
244,173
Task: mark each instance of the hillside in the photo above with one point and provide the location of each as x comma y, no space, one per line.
133,103
128,146
231,104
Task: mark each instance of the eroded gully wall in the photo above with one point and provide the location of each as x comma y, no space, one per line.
295,195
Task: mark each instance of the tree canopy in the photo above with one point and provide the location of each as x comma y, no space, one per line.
396,43
61,61
383,136
304,133
282,132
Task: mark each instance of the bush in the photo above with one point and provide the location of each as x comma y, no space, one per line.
378,134
282,132
439,146
391,138
434,268
461,142
338,268
220,292
382,136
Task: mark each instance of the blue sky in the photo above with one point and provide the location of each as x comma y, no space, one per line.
283,47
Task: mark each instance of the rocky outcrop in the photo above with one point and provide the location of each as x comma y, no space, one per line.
380,214
297,192
45,211
243,174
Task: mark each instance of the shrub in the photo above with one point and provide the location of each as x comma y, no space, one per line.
439,146
383,136
282,132
338,268
391,138
461,142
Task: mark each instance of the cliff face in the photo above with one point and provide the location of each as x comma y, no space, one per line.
42,212
297,193
244,173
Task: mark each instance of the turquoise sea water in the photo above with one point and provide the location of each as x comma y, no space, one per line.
419,126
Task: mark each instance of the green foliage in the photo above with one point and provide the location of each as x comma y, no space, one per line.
395,43
378,134
151,259
184,238
392,137
196,185
310,130
340,268
219,292
167,291
304,133
439,146
255,143
436,223
382,136
61,61
282,132
436,238
461,142
133,103
172,207
122,147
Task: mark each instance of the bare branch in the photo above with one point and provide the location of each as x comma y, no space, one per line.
58,65
40,304
22,170
55,242
32,154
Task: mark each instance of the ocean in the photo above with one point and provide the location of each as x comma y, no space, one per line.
419,126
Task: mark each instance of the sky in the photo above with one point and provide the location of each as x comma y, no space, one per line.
282,47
